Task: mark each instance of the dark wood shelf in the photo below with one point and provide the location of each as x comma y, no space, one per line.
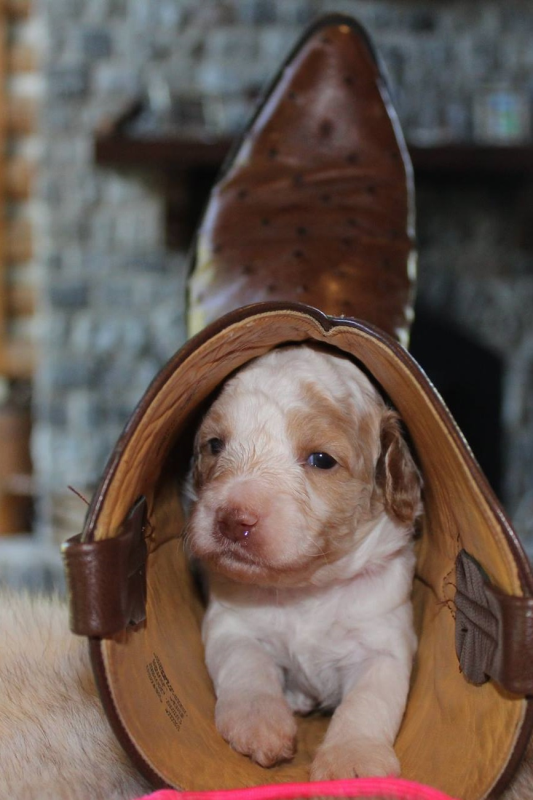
181,153
186,152
116,145
188,161
474,160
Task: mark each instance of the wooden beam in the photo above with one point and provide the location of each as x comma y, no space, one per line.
17,360
115,145
17,9
21,58
19,178
21,115
21,301
3,136
18,117
18,242
162,152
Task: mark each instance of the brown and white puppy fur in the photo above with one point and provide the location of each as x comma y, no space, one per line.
304,500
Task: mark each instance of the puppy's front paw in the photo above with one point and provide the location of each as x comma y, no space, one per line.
359,760
263,728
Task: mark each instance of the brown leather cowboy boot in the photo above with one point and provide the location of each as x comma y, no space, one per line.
316,202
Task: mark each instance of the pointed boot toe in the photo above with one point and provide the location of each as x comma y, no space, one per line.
316,203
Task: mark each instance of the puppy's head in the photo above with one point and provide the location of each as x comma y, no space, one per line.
293,463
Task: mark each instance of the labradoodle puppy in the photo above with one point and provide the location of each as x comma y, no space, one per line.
304,497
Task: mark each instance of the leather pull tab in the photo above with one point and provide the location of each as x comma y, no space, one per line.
493,631
106,579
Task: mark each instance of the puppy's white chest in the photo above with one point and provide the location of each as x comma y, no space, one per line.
318,648
321,638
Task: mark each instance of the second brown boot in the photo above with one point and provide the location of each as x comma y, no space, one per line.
316,204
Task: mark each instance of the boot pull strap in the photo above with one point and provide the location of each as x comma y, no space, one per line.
106,579
493,631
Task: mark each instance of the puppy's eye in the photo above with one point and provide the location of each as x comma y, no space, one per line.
321,461
215,446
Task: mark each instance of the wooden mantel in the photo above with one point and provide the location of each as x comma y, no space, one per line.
186,152
189,163
116,146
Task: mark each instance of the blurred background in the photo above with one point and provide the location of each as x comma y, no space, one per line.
116,115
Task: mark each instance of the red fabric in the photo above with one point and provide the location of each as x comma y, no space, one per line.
360,787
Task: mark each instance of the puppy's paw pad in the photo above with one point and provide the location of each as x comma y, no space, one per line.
361,760
263,729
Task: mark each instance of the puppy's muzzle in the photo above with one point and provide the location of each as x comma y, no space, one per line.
236,524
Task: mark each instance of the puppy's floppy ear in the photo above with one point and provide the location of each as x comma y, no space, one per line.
396,473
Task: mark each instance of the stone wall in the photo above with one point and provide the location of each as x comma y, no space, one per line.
112,295
476,271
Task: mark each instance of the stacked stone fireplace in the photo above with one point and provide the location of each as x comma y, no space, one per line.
112,304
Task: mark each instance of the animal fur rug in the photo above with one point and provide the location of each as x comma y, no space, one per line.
55,741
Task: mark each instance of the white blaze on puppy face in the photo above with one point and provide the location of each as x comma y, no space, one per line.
268,506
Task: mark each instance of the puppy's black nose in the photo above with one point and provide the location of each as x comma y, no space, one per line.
236,524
